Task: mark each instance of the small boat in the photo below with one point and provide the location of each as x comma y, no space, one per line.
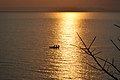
54,47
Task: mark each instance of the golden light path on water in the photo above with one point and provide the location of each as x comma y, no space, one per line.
68,58
67,35
68,29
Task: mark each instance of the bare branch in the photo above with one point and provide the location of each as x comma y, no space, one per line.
113,61
117,73
110,64
108,68
82,41
87,50
116,25
105,63
93,50
92,42
115,45
93,67
97,53
118,39
75,46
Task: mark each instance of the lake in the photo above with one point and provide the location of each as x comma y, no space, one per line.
25,38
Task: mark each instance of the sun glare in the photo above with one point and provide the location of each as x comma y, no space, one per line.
68,23
68,29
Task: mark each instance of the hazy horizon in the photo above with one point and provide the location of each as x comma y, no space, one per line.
59,5
50,9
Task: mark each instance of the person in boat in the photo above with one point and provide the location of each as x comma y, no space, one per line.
55,46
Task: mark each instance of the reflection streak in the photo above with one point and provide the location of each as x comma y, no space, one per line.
66,63
68,29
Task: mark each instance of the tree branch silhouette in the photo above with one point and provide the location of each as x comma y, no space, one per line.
87,50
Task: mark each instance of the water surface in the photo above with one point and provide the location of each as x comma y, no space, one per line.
25,38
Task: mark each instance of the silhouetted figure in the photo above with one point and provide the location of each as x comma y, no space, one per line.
54,46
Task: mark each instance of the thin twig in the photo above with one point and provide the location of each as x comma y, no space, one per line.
113,61
93,67
97,53
93,50
115,45
110,64
116,25
97,62
82,41
118,39
92,42
105,63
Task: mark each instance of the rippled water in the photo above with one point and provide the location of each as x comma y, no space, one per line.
25,38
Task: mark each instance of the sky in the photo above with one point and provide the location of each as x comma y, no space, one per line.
93,5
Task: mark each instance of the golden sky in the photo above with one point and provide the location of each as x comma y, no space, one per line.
85,4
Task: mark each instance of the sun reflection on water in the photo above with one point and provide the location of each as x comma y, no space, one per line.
66,61
67,36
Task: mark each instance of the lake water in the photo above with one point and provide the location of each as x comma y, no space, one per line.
25,38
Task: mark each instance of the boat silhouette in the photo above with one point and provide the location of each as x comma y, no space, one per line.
54,47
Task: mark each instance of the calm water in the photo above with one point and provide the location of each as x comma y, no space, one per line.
25,38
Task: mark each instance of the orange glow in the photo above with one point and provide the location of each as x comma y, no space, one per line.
67,31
